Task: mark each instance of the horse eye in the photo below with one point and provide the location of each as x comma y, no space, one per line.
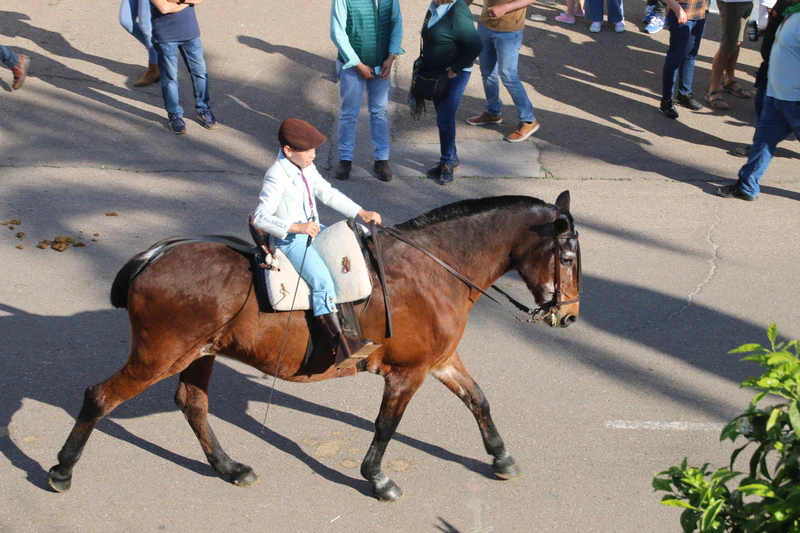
567,261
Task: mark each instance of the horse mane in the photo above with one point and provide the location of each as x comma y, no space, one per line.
468,208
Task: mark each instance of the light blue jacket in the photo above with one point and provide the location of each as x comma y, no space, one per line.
284,201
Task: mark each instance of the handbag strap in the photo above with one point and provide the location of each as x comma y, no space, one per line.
428,16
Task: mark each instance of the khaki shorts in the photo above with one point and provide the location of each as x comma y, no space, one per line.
732,16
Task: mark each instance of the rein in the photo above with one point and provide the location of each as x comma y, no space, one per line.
528,316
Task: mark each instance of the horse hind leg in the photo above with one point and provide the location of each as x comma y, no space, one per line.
192,399
455,377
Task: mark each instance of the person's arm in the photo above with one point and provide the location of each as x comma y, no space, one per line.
165,6
468,41
679,12
395,40
500,10
185,1
275,182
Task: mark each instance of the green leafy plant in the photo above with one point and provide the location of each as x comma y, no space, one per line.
767,498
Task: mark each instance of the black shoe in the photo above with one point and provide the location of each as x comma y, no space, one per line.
436,171
382,169
176,124
741,151
206,118
733,191
668,109
343,170
447,175
688,101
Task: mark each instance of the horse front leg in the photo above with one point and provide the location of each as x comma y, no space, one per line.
456,378
397,392
192,399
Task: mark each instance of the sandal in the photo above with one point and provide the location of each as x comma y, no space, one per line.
716,101
736,90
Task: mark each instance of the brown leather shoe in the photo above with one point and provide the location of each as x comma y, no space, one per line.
20,71
150,76
484,119
350,349
523,131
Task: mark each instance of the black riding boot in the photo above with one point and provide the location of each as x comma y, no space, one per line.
349,349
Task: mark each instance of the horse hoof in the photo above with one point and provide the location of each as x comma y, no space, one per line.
392,493
506,469
245,478
59,482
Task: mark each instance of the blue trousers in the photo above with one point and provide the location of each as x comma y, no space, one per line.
351,87
778,119
134,16
594,10
499,57
192,52
684,43
8,57
314,272
446,117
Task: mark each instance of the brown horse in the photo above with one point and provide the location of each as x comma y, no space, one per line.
197,301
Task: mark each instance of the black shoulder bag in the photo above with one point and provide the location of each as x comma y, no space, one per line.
425,85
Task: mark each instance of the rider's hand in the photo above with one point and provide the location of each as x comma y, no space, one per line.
308,228
369,216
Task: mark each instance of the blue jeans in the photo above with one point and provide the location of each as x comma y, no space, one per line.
351,87
684,43
8,57
315,273
778,119
500,55
192,52
446,117
134,16
594,10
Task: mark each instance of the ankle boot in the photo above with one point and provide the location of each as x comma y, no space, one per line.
349,349
150,76
20,71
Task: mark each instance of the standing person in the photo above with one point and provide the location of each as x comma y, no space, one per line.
732,13
450,44
175,27
686,21
368,35
134,16
655,16
781,113
574,9
287,210
594,12
501,27
18,63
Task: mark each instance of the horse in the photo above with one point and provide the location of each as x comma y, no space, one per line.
192,302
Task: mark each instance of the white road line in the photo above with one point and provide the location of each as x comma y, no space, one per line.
663,426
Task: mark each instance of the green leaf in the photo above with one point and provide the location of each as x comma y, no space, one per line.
757,489
674,502
710,514
772,333
773,417
780,358
662,484
723,475
757,398
794,418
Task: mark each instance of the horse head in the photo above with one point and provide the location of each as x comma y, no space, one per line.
551,265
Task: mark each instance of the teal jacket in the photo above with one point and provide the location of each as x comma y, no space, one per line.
451,42
366,31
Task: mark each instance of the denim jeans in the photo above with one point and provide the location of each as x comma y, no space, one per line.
134,16
684,43
192,52
500,55
8,57
594,10
351,87
778,119
446,117
315,273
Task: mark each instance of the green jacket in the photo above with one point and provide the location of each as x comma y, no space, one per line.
369,28
452,42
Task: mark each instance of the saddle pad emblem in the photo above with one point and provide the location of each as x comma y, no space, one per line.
345,265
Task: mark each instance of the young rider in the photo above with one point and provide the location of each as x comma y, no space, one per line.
287,209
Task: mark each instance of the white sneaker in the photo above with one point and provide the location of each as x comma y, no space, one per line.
595,27
619,27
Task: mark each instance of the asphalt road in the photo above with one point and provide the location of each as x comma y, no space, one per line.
674,278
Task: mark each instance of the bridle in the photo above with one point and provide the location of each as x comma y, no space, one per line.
525,314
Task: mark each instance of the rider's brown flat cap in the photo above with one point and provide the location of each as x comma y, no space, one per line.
300,135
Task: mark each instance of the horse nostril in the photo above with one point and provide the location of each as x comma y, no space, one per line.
567,320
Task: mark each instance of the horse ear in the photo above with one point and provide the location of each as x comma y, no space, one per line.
563,200
561,225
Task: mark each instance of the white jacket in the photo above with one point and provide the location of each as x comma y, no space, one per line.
284,201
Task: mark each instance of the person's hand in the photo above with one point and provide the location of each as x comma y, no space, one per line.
365,72
682,17
496,12
386,68
308,228
451,74
369,216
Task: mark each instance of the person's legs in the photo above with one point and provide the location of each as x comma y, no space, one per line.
378,90
8,57
446,117
740,14
778,119
351,89
696,29
168,65
192,52
507,45
615,11
679,35
594,10
314,272
134,16
488,66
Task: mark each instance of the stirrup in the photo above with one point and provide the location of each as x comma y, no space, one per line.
352,350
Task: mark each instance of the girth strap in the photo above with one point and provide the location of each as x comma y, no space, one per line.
382,275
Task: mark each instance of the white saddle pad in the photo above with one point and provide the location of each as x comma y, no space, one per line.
340,251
